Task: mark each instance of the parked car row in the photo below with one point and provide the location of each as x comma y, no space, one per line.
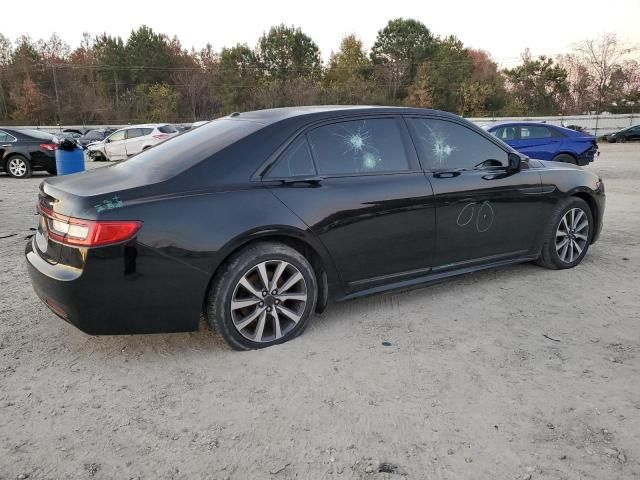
23,151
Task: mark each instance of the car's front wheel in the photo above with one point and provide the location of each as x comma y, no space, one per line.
568,235
264,295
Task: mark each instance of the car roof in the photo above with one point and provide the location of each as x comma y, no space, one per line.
25,132
514,124
273,115
144,125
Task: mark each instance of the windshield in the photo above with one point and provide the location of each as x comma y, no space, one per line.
184,151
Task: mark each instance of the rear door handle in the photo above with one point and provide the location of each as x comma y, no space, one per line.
5,145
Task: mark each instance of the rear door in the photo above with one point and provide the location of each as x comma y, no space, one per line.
358,186
537,141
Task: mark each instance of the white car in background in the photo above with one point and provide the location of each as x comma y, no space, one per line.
129,141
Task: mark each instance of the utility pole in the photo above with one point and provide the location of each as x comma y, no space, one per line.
55,88
115,81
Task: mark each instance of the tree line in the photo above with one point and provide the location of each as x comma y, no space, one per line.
151,77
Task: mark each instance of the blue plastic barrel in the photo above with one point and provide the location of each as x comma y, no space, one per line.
69,161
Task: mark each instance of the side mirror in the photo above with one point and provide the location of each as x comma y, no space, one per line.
514,162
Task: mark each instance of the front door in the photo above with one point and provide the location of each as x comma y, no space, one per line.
114,146
359,187
133,142
484,213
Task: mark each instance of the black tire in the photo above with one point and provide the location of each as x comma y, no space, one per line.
566,158
621,140
549,256
21,165
218,308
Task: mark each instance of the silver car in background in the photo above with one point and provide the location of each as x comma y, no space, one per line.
131,140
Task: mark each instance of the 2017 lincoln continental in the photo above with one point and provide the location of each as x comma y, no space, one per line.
261,218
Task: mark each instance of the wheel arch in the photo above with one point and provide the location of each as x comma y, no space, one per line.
293,238
593,206
565,152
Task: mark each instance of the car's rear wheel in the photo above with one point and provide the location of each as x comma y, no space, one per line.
568,235
264,295
566,158
18,166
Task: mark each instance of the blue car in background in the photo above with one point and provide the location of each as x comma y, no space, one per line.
547,142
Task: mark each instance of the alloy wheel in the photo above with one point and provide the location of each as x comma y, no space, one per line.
572,235
268,301
17,167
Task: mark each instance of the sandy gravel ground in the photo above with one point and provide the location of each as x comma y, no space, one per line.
470,387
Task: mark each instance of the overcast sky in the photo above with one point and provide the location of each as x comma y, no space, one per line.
503,28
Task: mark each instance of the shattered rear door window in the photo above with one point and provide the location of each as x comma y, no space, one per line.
361,146
446,145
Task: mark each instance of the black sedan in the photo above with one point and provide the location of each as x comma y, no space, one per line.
261,218
630,134
23,151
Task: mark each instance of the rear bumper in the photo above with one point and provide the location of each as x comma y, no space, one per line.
588,156
121,289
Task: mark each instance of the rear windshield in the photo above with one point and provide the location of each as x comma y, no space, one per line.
167,129
39,134
181,152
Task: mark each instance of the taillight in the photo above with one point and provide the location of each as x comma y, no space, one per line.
50,147
87,233
161,136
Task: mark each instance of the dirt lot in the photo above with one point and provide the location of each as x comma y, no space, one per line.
470,387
